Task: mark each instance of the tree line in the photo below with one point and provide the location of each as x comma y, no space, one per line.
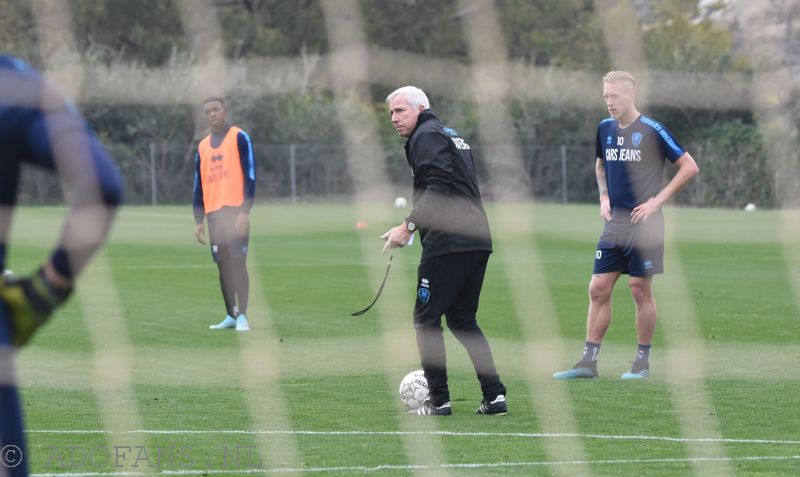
564,34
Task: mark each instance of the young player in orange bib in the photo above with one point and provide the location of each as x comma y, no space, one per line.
224,187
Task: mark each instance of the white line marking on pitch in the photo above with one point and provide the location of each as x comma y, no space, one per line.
730,440
385,467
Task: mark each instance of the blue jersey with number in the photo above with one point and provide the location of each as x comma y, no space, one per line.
634,161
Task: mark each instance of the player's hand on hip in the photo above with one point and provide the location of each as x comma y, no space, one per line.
200,233
242,223
605,207
643,211
396,237
31,301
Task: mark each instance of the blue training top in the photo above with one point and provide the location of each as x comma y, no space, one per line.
41,127
634,161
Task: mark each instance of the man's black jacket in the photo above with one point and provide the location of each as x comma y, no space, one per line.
447,202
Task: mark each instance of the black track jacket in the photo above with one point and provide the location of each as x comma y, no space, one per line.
447,202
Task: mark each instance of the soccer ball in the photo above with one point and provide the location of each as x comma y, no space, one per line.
400,202
7,272
750,207
414,389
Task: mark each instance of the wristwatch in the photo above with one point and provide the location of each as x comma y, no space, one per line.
411,226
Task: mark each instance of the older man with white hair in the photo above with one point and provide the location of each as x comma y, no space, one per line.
456,243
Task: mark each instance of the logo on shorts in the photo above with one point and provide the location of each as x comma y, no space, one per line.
598,254
424,295
214,248
648,264
637,139
424,292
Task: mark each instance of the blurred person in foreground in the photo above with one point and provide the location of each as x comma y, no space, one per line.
456,243
39,126
631,153
224,188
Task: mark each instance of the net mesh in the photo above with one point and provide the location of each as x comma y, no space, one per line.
514,166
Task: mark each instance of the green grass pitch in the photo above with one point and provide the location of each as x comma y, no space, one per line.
130,362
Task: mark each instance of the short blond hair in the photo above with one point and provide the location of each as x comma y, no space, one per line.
619,77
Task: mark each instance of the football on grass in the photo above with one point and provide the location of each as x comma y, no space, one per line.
413,389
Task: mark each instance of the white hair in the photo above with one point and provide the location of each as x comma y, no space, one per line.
415,96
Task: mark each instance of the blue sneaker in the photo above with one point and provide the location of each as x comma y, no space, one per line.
639,370
227,323
241,323
580,370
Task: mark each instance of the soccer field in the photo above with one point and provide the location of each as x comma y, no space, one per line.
128,380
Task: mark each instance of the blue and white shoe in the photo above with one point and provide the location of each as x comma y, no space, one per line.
225,324
580,370
241,323
639,370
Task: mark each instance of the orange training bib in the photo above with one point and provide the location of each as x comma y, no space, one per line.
221,172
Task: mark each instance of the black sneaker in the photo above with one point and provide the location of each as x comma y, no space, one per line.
428,409
495,408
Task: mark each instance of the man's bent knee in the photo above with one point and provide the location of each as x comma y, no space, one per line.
462,323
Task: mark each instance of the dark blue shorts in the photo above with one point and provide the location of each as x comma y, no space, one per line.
635,250
223,236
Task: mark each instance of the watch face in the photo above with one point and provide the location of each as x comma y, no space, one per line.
411,226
